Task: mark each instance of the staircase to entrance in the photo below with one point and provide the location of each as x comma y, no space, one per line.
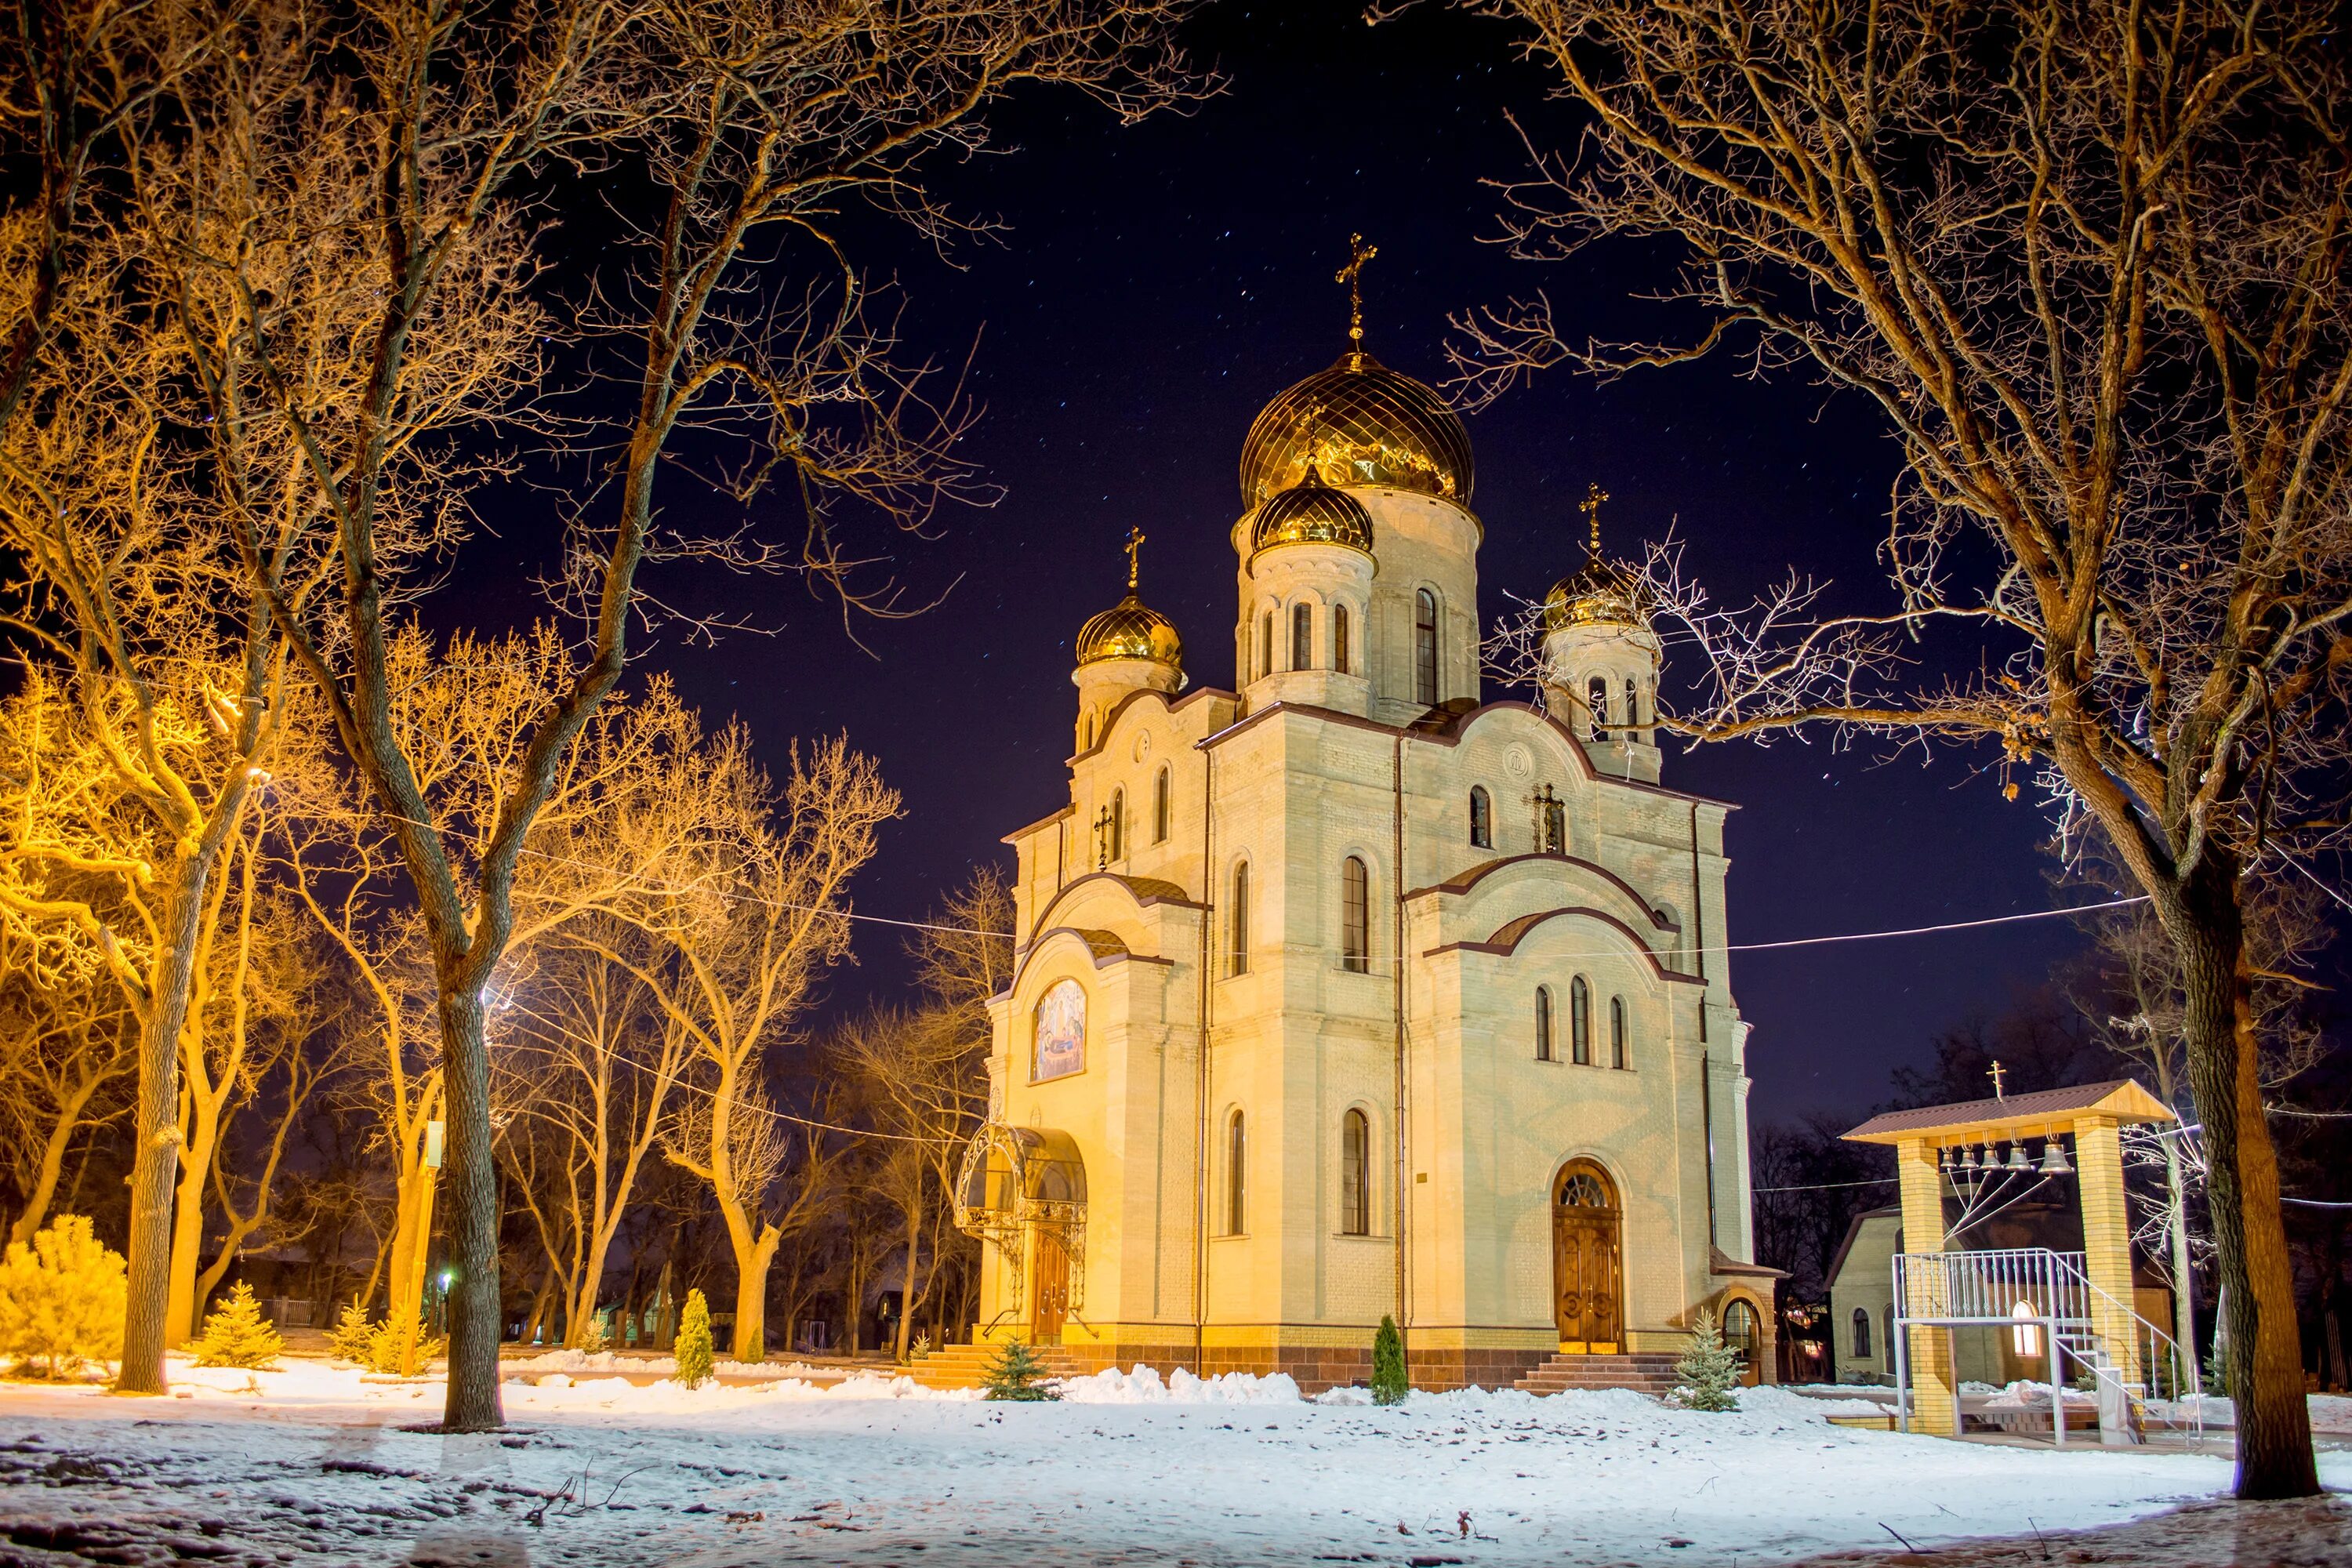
966,1366
1643,1371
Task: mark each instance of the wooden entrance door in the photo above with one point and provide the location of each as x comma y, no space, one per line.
1051,1302
1587,1260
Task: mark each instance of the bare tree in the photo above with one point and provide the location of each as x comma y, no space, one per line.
2089,264
68,1041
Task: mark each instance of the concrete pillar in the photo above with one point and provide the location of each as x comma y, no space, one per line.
2107,1241
1935,1390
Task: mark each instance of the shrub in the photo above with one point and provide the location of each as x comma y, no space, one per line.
694,1341
236,1335
383,1347
1017,1373
593,1337
1709,1370
1389,1382
61,1299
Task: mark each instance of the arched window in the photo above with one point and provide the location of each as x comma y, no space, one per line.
1424,648
1632,701
1087,735
1619,1044
1302,636
1887,1341
1543,1024
1236,1174
1265,644
1355,1175
1861,1333
1340,638
1596,698
1580,1022
1118,834
1741,1334
1237,922
1162,804
1482,818
2026,1338
1354,916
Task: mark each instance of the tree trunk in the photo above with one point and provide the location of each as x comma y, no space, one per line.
751,1297
2256,1318
907,1280
2184,1274
157,1165
53,1162
473,1404
198,1147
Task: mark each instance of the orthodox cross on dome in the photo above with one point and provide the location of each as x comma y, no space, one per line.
1353,274
1995,1074
1594,495
1134,545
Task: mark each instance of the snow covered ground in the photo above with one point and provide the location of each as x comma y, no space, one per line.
311,1466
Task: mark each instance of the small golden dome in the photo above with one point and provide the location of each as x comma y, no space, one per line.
1598,593
1358,423
1130,629
1312,512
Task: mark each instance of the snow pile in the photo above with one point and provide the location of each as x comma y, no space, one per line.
1766,1400
1143,1386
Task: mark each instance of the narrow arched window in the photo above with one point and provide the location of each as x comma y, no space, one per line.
1424,648
1580,1022
1237,922
1119,824
1265,644
1543,1024
1236,1175
1596,698
1355,1175
1632,701
1340,638
1861,1333
1354,915
1302,636
1617,1044
1887,1341
1482,818
1162,806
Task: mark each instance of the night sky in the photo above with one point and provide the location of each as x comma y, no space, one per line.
1155,286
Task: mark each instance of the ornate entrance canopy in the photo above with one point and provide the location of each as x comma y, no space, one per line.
1019,1180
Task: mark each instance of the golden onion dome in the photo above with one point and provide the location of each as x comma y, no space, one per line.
1358,423
1130,629
1312,512
1598,593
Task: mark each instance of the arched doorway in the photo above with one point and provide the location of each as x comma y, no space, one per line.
1587,1260
1743,1332
1023,1190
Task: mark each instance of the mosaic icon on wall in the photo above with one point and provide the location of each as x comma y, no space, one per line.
1061,1047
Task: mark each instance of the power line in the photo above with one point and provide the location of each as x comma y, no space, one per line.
1824,1186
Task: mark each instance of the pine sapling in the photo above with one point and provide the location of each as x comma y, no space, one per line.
1709,1369
1389,1382
694,1341
61,1299
237,1335
1017,1373
594,1339
352,1335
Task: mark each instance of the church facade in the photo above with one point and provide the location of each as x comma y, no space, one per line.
1345,995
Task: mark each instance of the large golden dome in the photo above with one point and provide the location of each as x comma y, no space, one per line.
1361,422
1312,512
1130,629
1598,593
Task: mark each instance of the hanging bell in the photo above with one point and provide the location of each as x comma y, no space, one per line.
2054,1158
2017,1160
1969,1158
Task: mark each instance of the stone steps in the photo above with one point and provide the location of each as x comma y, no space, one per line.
1643,1371
966,1366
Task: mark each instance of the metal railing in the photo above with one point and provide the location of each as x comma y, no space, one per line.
1987,1288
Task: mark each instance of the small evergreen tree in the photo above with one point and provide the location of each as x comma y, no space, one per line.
1709,1370
383,1347
351,1336
593,1337
236,1335
1017,1373
694,1341
61,1299
1388,1383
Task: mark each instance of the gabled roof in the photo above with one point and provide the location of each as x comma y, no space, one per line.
2015,1115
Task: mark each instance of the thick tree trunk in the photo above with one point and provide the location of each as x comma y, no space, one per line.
2257,1316
473,1404
752,1299
155,1167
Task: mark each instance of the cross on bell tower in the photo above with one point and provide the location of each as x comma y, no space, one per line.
1135,537
1353,274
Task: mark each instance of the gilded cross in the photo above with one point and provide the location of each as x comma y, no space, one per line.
1134,544
1995,1075
1353,274
1594,495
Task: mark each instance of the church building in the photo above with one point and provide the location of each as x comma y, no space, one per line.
1346,995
